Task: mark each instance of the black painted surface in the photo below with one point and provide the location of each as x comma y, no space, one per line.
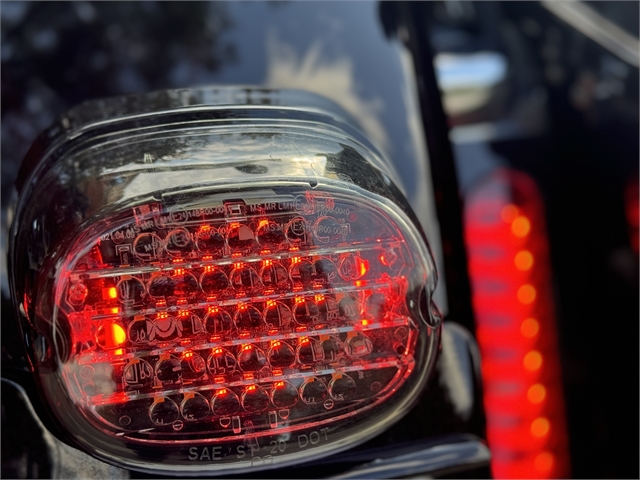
25,453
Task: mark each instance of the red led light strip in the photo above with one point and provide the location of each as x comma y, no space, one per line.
512,297
249,382
632,208
363,326
294,254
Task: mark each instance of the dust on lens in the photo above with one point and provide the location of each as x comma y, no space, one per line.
349,307
303,272
326,272
328,308
377,306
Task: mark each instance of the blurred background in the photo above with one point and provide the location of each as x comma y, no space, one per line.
544,117
541,102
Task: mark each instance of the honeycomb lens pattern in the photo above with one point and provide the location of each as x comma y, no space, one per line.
241,315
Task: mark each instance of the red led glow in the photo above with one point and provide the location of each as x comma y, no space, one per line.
521,226
511,279
530,328
536,393
363,266
523,260
111,335
632,211
216,326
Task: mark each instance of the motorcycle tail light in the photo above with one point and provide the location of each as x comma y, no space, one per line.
213,280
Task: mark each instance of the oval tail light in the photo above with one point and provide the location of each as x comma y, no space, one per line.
211,283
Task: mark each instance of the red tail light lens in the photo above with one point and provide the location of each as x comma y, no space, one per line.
263,330
223,319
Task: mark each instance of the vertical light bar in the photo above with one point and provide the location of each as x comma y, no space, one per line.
513,301
632,211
